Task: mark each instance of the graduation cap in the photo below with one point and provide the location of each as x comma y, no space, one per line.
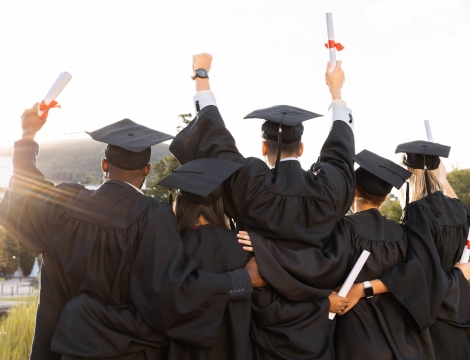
423,155
199,180
128,143
283,124
378,175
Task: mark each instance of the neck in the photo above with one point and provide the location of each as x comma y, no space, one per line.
133,181
202,221
360,206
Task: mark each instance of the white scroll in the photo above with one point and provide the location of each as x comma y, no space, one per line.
427,125
331,36
343,292
56,89
466,251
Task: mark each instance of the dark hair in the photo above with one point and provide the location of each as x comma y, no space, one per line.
188,212
368,198
288,149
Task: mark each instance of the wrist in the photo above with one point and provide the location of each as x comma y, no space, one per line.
335,94
202,84
28,134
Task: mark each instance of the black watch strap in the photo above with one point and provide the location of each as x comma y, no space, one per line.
368,290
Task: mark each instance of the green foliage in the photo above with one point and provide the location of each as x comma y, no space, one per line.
161,169
460,182
17,329
10,252
13,254
391,208
27,259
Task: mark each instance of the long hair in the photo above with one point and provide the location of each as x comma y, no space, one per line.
188,213
418,184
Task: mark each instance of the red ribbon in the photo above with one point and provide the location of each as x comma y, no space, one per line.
468,244
331,44
45,108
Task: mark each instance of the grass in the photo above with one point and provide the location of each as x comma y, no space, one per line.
2,279
18,298
17,329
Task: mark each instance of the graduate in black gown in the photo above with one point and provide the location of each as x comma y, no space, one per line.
113,246
202,224
293,208
376,327
437,224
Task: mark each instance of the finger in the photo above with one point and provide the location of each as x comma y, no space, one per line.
245,237
248,248
338,65
328,67
243,232
246,242
346,300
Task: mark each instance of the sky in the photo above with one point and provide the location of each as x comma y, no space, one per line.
405,61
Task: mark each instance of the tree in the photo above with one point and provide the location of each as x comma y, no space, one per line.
162,168
391,208
460,182
10,252
27,259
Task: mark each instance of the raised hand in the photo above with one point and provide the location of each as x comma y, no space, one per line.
31,122
202,61
335,80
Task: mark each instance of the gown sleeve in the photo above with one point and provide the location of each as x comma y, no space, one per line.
27,209
169,292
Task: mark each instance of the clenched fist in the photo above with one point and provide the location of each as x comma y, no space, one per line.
202,61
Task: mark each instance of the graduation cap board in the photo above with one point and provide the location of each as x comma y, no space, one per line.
283,123
423,155
198,179
128,143
378,175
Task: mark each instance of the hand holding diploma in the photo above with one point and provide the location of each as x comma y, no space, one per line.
331,45
49,100
343,292
466,251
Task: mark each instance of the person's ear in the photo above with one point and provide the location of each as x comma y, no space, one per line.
264,148
301,149
104,165
147,170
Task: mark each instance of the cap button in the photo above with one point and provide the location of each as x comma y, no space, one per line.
131,134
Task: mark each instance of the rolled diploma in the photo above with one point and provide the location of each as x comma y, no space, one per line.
351,278
331,36
427,125
466,252
56,89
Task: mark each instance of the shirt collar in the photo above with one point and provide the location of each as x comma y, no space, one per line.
289,158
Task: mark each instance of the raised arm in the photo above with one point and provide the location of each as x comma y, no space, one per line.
28,192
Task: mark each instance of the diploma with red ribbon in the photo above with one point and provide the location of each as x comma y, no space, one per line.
466,251
49,101
332,46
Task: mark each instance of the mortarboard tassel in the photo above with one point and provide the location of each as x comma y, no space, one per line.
279,148
434,209
404,217
170,197
232,225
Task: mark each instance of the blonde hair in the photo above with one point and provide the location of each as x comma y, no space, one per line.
418,185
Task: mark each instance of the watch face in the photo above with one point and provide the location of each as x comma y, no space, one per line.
369,292
201,73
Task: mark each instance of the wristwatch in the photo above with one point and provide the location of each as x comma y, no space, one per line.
201,73
368,290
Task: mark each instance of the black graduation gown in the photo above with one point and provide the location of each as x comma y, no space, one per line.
122,249
437,243
290,205
217,249
378,328
295,209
